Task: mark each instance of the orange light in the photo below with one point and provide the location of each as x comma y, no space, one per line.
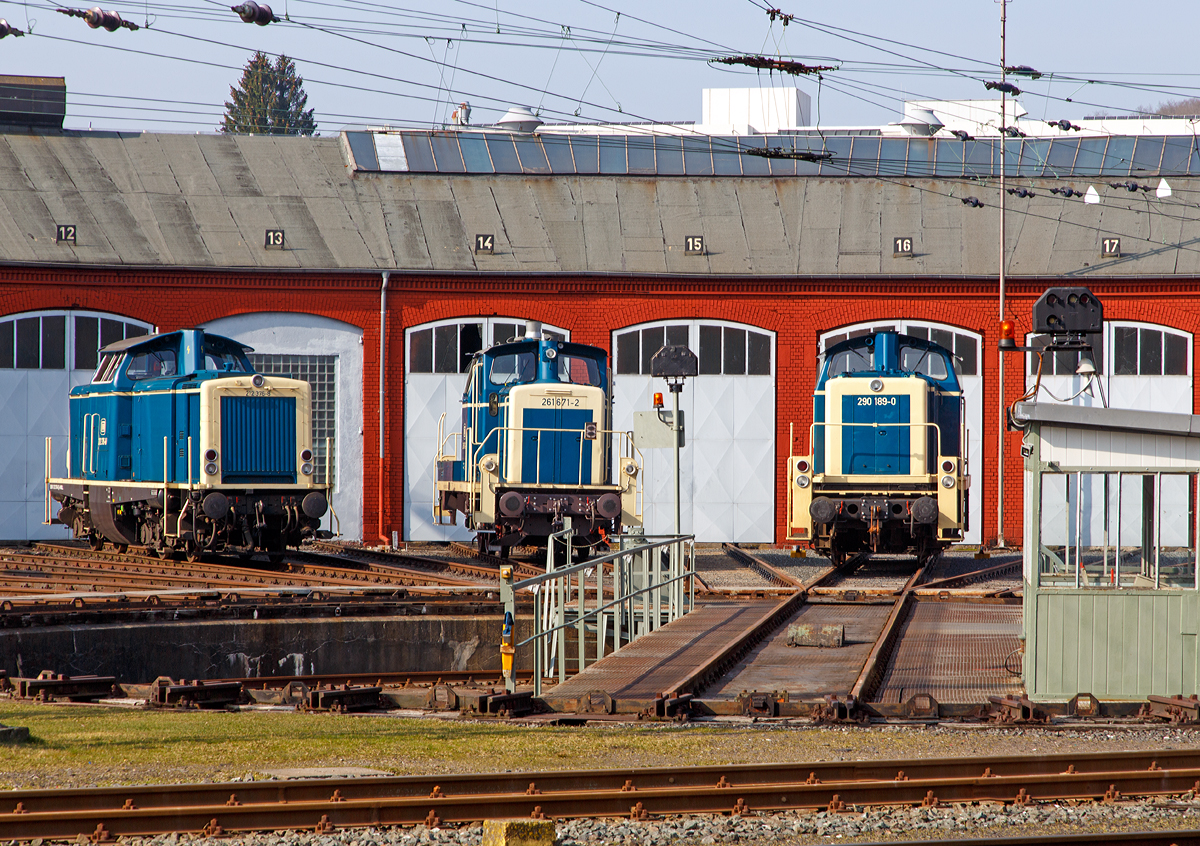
658,402
1007,335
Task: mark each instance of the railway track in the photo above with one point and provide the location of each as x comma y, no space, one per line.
639,794
61,564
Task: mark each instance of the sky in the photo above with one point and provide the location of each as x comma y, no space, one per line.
409,63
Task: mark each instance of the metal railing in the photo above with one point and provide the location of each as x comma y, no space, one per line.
645,597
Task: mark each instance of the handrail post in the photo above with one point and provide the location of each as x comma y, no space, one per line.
537,646
46,491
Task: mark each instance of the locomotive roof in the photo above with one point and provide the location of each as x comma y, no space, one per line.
132,343
868,339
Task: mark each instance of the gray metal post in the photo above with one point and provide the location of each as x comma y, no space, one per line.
507,653
676,389
537,646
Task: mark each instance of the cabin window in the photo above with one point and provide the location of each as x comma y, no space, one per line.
513,368
151,365
223,360
578,370
927,362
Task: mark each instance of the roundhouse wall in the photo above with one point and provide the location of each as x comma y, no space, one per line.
798,310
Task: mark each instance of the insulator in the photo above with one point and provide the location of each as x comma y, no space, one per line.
256,13
8,29
111,21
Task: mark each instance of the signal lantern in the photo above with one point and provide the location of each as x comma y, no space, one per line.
658,400
1007,335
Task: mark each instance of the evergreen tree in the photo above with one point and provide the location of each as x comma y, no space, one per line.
269,100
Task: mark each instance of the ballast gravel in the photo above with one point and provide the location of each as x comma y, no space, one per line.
873,825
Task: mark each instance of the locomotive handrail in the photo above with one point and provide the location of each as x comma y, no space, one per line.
625,437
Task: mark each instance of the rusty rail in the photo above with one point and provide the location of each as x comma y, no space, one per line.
772,574
324,804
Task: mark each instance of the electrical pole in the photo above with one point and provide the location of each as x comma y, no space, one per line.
1003,195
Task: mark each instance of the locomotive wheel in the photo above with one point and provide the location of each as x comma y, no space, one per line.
190,553
95,541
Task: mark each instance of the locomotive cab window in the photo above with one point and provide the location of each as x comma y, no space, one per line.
923,361
151,365
578,370
225,360
109,365
858,360
513,368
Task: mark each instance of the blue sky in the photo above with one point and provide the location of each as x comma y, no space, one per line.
407,63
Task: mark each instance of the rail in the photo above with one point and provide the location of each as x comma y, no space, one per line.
645,598
216,809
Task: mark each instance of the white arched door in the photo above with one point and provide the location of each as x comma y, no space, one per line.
966,347
436,358
328,354
727,469
1139,365
43,354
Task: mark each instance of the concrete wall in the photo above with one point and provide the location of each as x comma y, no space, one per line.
139,653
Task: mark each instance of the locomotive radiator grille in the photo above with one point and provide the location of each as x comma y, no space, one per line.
258,440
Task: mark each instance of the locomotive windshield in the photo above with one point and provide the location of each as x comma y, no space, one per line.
225,360
857,360
578,370
151,364
512,368
924,361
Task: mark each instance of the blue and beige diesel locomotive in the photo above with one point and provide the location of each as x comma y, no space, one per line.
886,470
536,446
179,446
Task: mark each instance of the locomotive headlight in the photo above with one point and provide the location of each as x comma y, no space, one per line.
306,455
211,468
630,468
257,380
948,466
306,468
551,354
210,455
802,465
876,384
802,481
947,481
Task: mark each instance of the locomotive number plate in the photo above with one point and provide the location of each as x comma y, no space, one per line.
253,393
561,402
876,400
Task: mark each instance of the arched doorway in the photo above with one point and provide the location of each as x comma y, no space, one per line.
43,354
966,347
727,469
327,354
436,359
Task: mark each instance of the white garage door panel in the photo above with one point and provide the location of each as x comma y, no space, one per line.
33,407
727,469
427,398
